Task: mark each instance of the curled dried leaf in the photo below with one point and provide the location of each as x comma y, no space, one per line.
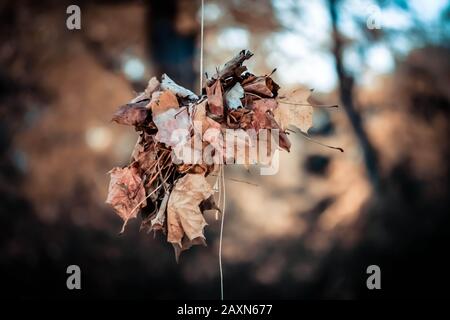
169,84
173,127
283,140
260,107
261,86
152,86
163,101
209,204
186,244
183,213
233,67
132,114
295,110
215,98
126,193
157,223
146,159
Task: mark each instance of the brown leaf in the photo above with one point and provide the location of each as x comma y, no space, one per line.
207,129
233,67
260,107
215,98
262,86
170,120
237,146
173,127
283,140
133,114
209,204
169,84
146,159
186,244
163,101
144,152
152,86
201,121
138,148
126,193
183,213
240,118
295,110
157,223
204,143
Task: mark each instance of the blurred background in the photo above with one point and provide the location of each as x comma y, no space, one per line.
308,232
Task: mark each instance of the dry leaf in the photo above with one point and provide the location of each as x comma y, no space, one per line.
132,114
173,127
157,223
260,107
283,140
152,86
295,110
207,129
209,204
201,121
163,101
183,213
169,84
215,98
146,159
262,86
138,148
240,118
144,153
186,244
183,138
126,193
238,145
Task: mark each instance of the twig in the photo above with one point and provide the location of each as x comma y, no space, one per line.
308,104
160,216
253,94
231,66
156,189
320,143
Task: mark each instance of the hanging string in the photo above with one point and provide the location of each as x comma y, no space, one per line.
221,177
222,183
201,46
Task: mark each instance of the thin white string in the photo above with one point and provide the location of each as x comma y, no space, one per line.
201,46
221,177
219,189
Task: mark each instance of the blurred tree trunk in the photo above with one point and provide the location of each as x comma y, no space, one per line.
345,91
171,51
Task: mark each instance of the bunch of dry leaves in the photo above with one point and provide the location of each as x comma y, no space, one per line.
172,196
